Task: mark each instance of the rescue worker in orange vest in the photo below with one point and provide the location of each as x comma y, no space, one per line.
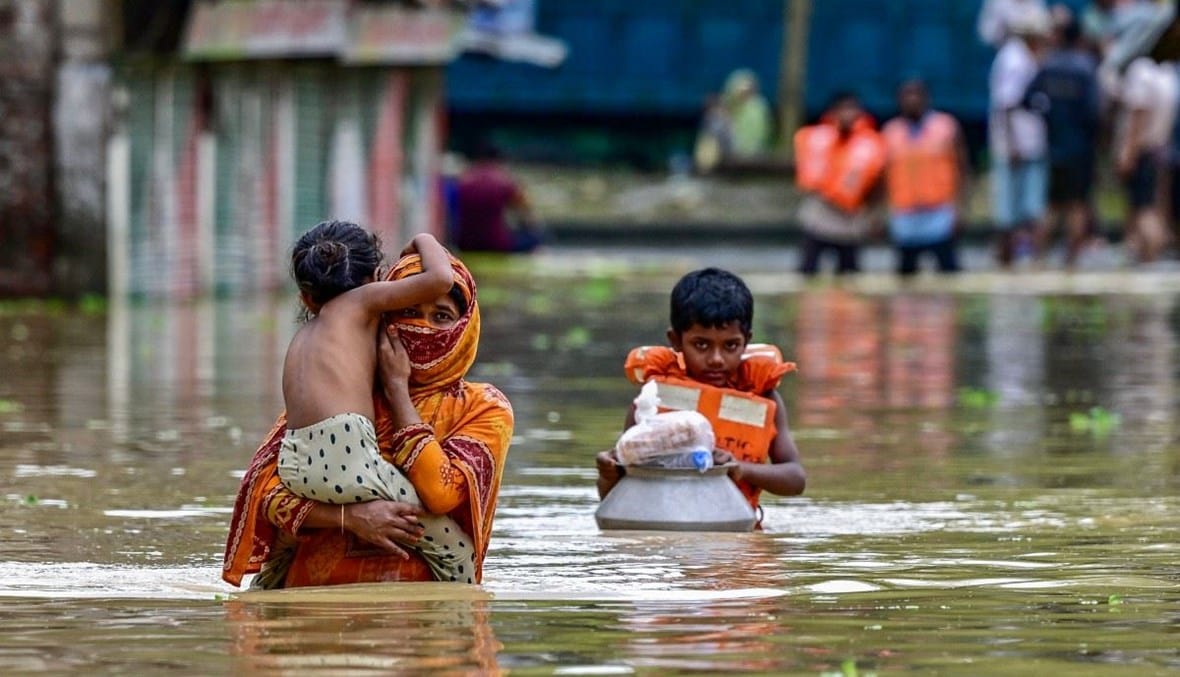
925,168
712,368
838,163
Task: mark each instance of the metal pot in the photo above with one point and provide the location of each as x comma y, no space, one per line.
674,499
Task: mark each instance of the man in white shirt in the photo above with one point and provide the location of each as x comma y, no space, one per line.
1017,136
1147,96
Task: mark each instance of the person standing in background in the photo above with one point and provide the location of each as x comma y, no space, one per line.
1147,97
925,170
748,113
1017,136
485,197
838,165
1065,92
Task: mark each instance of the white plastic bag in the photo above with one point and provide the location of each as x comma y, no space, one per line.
656,436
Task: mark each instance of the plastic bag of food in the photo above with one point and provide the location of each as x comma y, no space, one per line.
656,435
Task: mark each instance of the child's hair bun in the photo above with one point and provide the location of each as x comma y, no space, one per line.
330,252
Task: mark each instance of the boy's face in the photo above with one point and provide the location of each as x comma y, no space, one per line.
711,354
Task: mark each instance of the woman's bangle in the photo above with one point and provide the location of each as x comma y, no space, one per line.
341,519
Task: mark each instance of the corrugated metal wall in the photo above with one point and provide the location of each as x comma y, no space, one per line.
222,167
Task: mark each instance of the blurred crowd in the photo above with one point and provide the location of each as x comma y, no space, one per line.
1068,93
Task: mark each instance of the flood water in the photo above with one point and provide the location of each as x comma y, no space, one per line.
994,487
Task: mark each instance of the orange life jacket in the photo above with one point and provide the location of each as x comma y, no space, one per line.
743,422
923,170
841,170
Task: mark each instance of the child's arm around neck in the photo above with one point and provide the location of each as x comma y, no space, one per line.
435,280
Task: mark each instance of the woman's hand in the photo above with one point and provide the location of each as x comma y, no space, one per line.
393,370
384,524
393,362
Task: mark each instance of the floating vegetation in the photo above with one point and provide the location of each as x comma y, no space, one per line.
10,407
977,398
539,304
1098,421
92,304
577,338
89,304
598,291
847,669
540,342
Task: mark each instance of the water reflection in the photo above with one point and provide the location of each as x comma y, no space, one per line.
391,628
839,347
1139,371
993,476
1015,375
919,351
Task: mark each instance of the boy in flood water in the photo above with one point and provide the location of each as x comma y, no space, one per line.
330,453
713,368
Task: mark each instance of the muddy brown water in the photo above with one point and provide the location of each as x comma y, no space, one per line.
994,471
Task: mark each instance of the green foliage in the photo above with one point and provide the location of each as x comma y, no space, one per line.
541,342
92,304
1097,421
595,292
977,398
577,338
539,304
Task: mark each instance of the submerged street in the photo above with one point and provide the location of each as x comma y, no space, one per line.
993,469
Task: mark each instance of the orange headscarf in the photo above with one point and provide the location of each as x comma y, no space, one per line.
439,357
466,429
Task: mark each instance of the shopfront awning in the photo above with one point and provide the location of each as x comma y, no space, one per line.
317,29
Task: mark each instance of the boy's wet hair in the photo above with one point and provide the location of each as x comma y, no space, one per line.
712,297
334,257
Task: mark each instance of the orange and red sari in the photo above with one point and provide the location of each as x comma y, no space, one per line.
454,457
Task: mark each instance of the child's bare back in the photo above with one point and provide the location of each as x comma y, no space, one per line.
330,364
